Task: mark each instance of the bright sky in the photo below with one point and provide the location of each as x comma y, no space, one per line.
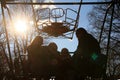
71,45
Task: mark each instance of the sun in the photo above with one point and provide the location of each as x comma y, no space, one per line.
20,26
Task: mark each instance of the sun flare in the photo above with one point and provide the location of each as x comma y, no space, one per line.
20,26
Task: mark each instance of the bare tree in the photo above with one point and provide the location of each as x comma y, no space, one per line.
96,19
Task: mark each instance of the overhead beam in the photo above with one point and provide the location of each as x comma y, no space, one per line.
58,3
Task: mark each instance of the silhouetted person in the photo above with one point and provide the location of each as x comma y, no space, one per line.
66,65
36,56
87,56
53,59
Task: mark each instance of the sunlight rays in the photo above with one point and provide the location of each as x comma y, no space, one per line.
20,26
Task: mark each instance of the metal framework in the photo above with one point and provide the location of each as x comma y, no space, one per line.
112,3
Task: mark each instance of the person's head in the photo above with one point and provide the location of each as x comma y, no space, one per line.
37,41
52,46
80,32
64,51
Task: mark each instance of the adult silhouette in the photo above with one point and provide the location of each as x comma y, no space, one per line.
87,58
36,57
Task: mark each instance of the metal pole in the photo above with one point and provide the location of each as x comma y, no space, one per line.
34,17
109,34
7,39
77,18
104,22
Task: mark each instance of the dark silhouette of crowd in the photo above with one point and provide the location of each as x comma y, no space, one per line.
45,62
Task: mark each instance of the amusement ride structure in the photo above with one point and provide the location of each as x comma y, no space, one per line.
57,21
